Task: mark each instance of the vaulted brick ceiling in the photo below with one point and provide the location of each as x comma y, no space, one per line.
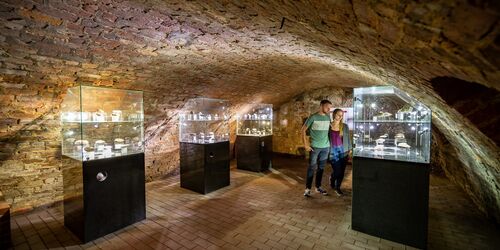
245,51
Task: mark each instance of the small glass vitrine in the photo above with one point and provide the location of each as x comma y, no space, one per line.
390,124
256,120
204,121
100,122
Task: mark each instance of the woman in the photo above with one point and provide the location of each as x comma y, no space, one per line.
340,148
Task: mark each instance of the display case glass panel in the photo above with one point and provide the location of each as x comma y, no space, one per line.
257,120
390,124
204,121
99,122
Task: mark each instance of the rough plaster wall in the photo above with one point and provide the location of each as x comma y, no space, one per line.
289,117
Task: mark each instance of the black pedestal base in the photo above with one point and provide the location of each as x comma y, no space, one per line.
94,208
204,167
5,234
391,200
254,153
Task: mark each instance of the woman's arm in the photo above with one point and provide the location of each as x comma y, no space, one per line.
347,136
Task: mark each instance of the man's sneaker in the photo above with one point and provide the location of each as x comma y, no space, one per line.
339,192
321,191
307,193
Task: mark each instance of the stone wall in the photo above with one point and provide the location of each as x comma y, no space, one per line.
289,117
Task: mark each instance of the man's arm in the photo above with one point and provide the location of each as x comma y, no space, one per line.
307,146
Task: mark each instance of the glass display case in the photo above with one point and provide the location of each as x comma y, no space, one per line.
390,124
204,121
257,121
254,142
102,160
204,145
100,123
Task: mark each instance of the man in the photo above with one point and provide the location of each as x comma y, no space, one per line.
318,125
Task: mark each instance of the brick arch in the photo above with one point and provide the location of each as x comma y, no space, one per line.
246,50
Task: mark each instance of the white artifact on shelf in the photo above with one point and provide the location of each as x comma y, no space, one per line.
80,144
75,116
108,151
137,116
384,136
209,117
99,116
119,143
190,116
404,145
399,136
211,137
116,115
99,145
380,141
88,153
382,116
137,143
216,117
379,147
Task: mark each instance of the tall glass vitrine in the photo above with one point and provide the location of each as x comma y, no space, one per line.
102,149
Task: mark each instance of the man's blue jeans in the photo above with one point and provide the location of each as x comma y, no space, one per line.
317,161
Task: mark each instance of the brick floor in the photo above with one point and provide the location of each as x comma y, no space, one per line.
260,211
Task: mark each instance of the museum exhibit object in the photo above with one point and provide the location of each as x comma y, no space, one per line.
204,145
254,137
102,160
392,136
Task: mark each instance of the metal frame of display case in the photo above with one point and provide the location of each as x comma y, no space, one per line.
391,195
254,150
103,193
204,161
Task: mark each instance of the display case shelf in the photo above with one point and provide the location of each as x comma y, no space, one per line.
390,124
255,119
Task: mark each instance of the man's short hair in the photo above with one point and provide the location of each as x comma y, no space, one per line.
323,102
